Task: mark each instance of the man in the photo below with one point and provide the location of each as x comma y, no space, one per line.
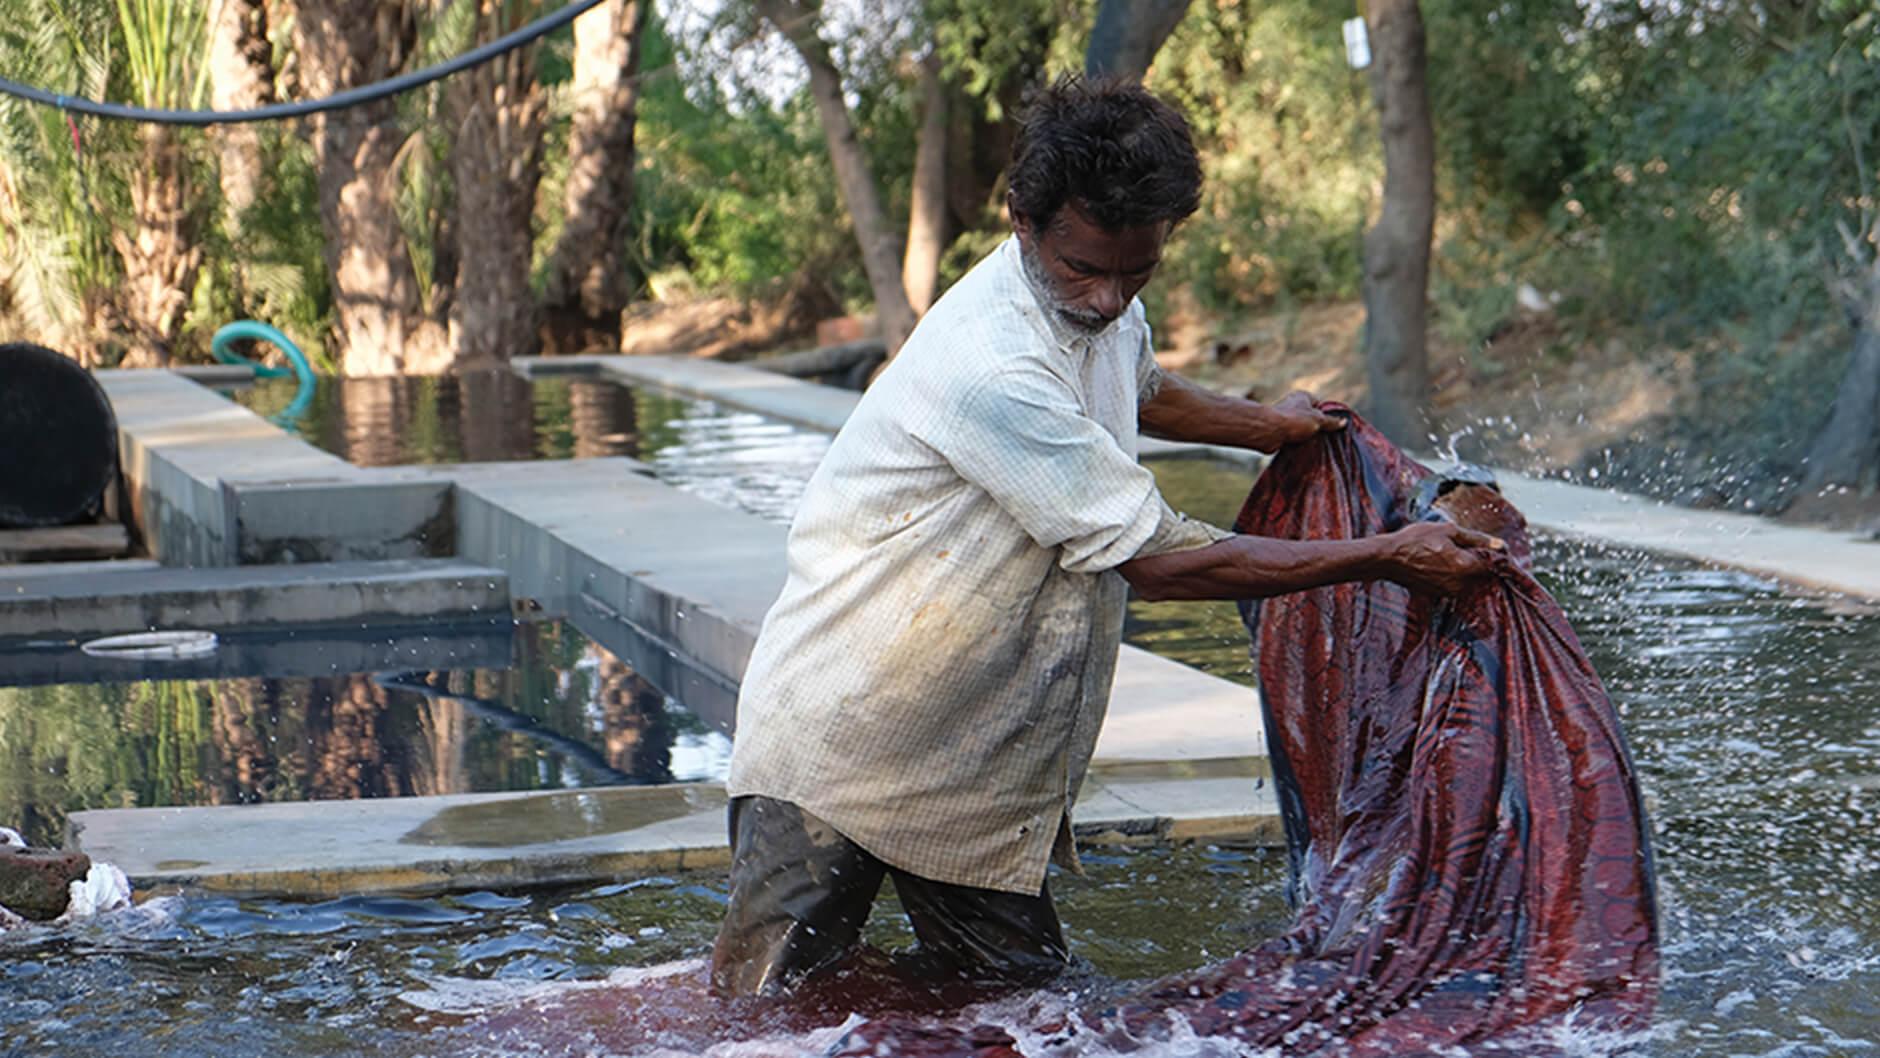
925,695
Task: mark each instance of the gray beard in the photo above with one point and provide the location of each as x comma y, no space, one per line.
1078,319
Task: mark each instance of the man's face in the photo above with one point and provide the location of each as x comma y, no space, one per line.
1091,274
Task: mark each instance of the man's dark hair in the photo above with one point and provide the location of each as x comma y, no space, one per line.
1105,144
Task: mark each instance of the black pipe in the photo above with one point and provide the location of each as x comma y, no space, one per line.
337,101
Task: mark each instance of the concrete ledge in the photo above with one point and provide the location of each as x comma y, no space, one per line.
620,554
321,849
1815,558
179,444
778,396
411,844
248,596
322,521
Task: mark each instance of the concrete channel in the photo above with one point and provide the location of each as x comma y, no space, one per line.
249,526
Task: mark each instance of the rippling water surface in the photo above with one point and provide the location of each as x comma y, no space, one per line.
1753,714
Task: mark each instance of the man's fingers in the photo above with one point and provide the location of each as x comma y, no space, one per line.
1472,538
1330,422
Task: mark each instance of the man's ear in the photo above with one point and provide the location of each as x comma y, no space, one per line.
1021,224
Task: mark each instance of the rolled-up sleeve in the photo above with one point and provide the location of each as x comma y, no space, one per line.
1176,531
1023,438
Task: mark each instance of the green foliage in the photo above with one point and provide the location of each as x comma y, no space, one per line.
1510,91
165,45
988,46
735,192
274,267
55,249
1283,128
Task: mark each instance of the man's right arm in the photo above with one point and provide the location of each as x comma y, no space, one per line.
1430,557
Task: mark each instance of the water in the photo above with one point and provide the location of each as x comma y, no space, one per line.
1754,715
733,457
337,715
1753,711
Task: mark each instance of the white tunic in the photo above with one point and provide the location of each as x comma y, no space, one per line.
932,678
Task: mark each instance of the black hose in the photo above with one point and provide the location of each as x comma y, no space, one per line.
338,100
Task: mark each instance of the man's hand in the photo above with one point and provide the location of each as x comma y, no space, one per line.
1438,558
1296,417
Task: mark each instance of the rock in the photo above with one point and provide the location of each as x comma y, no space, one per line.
36,883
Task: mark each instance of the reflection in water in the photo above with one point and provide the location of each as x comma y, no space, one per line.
638,740
567,714
731,457
601,418
348,759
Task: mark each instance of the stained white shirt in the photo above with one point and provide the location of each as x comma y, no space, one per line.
932,678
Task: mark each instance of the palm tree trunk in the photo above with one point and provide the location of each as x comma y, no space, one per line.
495,164
241,72
378,314
585,275
161,262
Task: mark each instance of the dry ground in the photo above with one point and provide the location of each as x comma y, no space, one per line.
1538,400
1525,399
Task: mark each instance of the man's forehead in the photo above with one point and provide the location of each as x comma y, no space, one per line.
1074,236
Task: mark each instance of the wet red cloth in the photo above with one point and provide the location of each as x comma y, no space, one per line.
1468,845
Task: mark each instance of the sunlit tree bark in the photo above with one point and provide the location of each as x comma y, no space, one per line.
162,256
241,73
496,163
585,274
1397,250
927,211
378,314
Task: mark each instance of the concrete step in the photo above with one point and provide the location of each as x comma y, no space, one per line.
93,601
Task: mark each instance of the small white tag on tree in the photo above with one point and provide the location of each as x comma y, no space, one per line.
1357,44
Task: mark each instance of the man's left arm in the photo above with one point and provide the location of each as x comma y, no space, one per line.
1183,411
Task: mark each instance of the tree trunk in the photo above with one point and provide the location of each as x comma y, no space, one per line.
161,262
1128,33
1397,250
242,74
881,250
378,314
927,213
1847,450
585,274
495,164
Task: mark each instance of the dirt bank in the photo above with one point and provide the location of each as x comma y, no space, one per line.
1612,410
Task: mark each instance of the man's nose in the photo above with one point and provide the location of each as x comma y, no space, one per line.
1108,298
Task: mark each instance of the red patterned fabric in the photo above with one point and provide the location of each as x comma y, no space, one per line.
1468,847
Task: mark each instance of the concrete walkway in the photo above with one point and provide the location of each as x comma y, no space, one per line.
598,541
1182,755
1828,561
1811,558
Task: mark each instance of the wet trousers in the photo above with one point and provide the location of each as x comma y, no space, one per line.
800,893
